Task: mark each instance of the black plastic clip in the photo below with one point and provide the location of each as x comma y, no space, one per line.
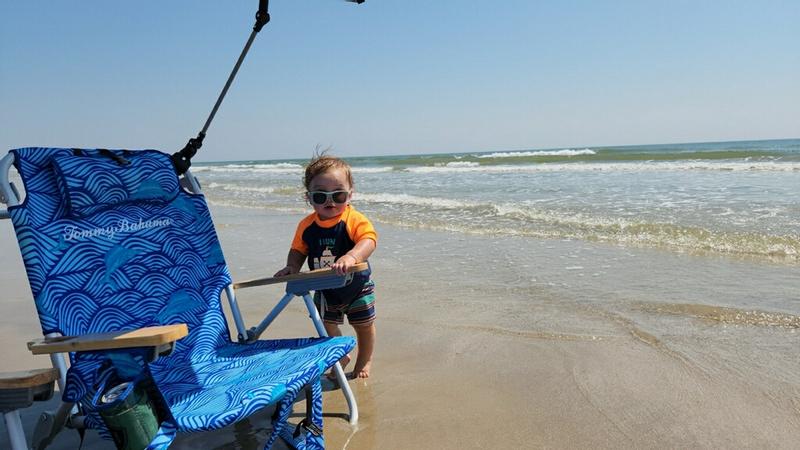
117,158
182,159
309,426
262,16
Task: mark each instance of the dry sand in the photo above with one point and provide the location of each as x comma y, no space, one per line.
443,380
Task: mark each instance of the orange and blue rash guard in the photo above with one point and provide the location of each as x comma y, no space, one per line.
324,241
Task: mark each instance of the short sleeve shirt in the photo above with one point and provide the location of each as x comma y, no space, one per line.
324,241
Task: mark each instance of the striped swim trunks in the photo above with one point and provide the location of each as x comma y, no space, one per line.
360,311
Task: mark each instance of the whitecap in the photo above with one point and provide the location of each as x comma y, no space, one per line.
462,164
372,169
641,166
521,154
406,199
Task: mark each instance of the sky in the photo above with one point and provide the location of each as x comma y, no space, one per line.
397,76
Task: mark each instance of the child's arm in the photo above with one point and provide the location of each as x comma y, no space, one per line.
294,262
360,253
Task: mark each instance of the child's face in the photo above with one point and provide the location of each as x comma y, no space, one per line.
330,181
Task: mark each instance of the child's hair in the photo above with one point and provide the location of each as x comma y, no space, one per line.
321,163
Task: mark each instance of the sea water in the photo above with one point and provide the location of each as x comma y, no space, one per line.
643,231
738,199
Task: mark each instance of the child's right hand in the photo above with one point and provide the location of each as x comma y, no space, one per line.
288,270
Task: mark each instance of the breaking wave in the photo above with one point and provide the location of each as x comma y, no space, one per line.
661,166
510,219
522,154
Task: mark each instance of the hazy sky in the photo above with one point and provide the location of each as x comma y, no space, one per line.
397,76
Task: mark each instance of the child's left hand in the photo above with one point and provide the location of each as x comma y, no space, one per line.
344,262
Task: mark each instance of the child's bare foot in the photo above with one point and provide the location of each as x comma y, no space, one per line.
344,362
362,372
365,335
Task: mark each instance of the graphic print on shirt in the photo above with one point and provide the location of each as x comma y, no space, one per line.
326,260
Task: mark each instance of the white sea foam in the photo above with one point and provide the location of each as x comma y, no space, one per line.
254,168
529,219
458,164
276,168
644,166
526,212
240,188
565,152
382,169
265,166
413,200
513,220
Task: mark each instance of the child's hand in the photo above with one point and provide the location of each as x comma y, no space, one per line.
345,262
288,270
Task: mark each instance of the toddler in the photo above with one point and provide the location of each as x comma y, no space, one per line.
335,235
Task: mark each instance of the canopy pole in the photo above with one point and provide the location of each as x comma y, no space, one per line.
182,159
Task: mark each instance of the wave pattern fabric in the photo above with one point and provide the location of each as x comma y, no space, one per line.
92,183
148,256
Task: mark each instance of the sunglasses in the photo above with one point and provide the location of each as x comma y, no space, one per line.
322,197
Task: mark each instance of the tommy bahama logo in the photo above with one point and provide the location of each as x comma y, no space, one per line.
73,233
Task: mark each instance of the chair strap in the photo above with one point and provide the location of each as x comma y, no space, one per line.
280,417
308,433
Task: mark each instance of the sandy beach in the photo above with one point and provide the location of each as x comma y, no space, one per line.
517,342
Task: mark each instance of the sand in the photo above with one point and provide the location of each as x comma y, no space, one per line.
459,365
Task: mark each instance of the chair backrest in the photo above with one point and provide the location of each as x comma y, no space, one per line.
112,242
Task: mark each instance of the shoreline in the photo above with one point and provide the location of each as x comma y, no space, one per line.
525,343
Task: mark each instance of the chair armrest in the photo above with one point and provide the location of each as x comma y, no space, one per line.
27,378
302,276
143,337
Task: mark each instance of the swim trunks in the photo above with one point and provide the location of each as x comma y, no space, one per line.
359,311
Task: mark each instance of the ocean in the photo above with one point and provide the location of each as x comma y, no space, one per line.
738,199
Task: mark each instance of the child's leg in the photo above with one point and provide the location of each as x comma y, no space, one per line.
332,328
365,335
361,315
331,318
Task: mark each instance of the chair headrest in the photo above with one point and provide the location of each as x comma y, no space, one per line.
95,180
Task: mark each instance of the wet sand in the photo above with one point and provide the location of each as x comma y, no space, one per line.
473,354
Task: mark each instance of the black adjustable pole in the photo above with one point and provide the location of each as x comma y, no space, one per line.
182,159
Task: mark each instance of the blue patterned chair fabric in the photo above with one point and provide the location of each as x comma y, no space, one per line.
112,244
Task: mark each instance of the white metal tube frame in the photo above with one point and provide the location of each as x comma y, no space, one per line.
337,368
16,434
302,288
7,192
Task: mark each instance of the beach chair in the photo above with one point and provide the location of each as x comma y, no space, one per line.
127,274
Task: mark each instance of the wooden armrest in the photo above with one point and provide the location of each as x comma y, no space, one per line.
319,273
143,337
27,378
